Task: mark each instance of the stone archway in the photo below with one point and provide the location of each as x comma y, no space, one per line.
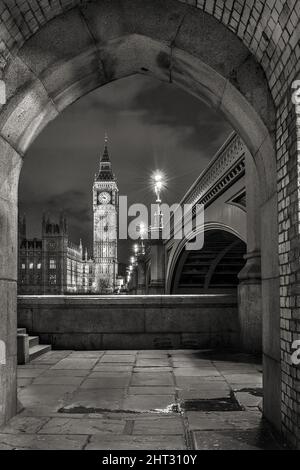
179,248
220,247
46,69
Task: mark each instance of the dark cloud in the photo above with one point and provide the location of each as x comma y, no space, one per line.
151,125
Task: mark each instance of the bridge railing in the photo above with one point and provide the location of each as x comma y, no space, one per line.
227,166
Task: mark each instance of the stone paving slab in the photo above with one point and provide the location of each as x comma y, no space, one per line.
83,426
150,369
218,420
23,382
184,362
196,372
29,373
97,374
154,362
112,367
41,442
99,399
106,382
148,402
137,443
60,380
152,355
76,363
237,386
66,373
164,390
154,379
248,400
86,354
159,425
24,424
80,399
119,358
38,393
201,382
202,394
33,365
235,440
123,352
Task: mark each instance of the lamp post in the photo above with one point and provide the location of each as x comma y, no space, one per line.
157,248
159,184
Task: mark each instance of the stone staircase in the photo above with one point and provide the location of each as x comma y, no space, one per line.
29,347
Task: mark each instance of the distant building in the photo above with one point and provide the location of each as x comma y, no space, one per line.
55,265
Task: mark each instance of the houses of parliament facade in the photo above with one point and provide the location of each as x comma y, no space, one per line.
54,265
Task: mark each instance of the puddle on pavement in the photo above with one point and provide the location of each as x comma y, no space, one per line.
91,410
172,408
213,404
256,392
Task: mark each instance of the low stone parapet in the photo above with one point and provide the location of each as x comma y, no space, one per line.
132,322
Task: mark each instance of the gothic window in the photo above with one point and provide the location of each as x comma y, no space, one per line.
39,265
23,266
52,264
30,265
52,279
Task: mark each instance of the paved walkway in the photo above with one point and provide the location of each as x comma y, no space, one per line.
182,399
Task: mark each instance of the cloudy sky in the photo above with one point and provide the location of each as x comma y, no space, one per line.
151,125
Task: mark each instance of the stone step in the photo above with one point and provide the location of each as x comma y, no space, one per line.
33,341
38,350
21,331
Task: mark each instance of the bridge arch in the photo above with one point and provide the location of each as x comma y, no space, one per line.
220,244
178,248
74,47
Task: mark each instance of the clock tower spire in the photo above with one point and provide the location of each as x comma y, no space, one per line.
105,208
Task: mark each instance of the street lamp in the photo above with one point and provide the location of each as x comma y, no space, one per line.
159,184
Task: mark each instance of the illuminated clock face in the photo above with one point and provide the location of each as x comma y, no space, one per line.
104,197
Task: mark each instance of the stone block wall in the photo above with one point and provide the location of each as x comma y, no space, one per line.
131,322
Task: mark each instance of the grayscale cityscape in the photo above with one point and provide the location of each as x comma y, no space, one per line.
149,225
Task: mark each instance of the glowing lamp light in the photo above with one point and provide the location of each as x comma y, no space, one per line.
158,177
142,229
135,248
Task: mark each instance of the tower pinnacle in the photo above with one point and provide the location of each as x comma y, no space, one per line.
105,170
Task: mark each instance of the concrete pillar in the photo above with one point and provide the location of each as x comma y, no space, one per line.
23,348
132,285
157,269
250,304
249,289
141,274
10,165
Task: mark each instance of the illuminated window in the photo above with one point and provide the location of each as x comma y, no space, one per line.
23,266
39,266
52,264
30,265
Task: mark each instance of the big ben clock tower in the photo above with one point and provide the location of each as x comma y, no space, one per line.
105,206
